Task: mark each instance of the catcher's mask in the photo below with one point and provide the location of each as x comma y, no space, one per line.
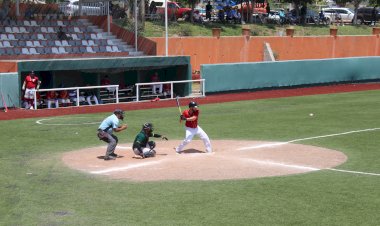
148,126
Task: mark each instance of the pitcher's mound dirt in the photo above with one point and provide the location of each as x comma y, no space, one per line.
231,159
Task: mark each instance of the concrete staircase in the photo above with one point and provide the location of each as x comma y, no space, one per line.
118,42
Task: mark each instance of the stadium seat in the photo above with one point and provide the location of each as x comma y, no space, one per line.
91,42
110,42
21,43
60,23
77,30
17,51
109,49
2,51
93,36
1,44
48,50
29,43
8,30
7,44
11,37
115,49
61,50
9,51
4,37
37,44
51,30
33,51
44,30
99,35
58,43
55,50
75,37
89,49
65,43
23,30
25,51
26,23
40,50
41,37
84,43
16,30
33,23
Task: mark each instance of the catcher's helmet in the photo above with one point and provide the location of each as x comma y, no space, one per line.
193,104
148,125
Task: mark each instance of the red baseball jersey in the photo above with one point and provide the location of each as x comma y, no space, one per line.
187,114
31,83
51,95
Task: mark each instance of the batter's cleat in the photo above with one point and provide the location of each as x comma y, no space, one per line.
177,151
113,154
106,158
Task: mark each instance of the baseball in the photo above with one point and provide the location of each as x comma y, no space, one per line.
76,132
311,114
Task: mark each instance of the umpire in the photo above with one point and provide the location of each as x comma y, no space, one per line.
142,147
105,130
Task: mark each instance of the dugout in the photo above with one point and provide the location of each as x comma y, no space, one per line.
89,71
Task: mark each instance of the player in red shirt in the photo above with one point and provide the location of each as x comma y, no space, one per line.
31,83
192,128
64,98
52,97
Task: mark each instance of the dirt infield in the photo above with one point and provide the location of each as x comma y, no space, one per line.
230,160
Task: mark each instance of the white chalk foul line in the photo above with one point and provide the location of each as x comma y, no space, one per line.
124,168
307,138
354,172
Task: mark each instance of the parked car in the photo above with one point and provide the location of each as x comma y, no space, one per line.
175,11
364,15
332,14
311,16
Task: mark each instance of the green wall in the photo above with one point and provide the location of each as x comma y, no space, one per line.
242,76
10,89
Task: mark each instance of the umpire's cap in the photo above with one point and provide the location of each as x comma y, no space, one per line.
119,112
193,104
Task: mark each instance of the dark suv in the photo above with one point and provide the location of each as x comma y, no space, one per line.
364,15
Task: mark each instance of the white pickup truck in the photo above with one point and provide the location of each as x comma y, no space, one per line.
72,8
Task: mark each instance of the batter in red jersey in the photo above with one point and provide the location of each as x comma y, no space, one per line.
192,128
31,83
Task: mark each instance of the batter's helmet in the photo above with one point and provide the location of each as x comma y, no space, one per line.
148,125
193,104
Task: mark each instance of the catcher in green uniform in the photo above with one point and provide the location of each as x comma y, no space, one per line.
142,147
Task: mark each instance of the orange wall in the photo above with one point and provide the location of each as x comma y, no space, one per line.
213,50
6,67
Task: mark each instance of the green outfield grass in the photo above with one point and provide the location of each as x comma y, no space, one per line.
36,188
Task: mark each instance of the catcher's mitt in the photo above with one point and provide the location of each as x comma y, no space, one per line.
152,144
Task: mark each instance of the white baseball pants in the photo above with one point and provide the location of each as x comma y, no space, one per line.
190,133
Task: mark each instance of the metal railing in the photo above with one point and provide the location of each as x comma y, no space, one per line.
138,85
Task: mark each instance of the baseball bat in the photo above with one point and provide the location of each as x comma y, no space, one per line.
178,105
5,104
179,108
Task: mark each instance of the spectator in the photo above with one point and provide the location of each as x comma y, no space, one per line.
155,78
267,9
29,15
105,82
338,18
62,35
153,8
197,17
281,13
374,14
64,98
90,95
303,13
221,16
52,97
73,97
30,85
4,10
236,16
208,11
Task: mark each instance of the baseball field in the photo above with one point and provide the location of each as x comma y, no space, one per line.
40,185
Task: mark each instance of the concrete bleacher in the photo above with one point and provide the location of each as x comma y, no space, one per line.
39,37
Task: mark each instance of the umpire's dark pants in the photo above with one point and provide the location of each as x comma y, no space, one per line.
111,140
